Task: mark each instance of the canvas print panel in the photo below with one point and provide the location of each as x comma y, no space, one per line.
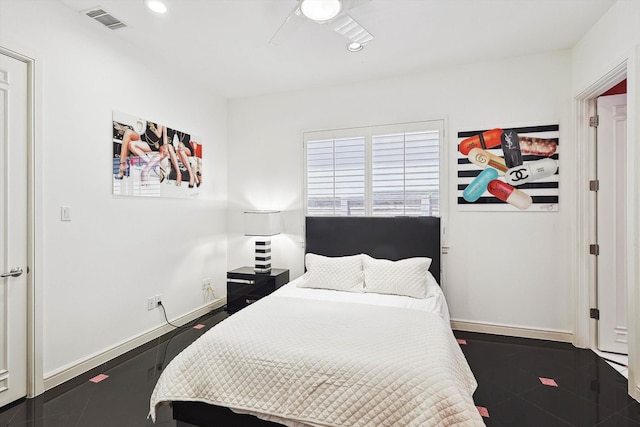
509,169
151,159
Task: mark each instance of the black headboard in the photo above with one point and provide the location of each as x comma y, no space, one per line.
391,238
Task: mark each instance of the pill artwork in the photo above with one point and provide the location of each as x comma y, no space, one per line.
523,175
479,185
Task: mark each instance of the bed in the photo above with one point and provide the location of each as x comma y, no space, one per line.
326,350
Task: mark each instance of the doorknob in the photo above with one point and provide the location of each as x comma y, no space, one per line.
15,272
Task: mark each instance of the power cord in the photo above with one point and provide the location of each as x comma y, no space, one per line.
164,354
165,315
208,292
173,334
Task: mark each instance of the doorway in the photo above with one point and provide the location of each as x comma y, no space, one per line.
14,231
584,272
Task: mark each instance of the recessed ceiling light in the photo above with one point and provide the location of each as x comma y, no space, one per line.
320,10
156,5
355,47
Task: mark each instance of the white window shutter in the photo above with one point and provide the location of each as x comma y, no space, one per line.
405,174
391,170
336,177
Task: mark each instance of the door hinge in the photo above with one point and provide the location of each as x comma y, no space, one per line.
594,185
594,249
594,121
594,313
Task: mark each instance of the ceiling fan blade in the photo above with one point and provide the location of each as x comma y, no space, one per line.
293,20
348,27
350,4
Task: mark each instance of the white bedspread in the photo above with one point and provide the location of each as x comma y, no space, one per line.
328,363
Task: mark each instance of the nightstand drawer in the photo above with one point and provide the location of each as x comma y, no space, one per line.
241,281
236,301
245,287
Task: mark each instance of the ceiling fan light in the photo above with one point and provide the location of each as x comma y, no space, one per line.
355,47
156,5
320,10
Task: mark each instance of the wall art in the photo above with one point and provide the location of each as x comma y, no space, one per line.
509,169
151,159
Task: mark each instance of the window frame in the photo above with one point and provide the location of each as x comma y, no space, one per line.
376,130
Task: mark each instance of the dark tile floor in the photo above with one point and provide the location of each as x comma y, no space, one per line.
589,392
585,390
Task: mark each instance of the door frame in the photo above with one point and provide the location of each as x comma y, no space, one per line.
583,273
35,374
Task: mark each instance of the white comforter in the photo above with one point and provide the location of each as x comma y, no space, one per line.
328,363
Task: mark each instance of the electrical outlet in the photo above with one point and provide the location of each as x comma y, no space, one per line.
207,290
158,300
151,303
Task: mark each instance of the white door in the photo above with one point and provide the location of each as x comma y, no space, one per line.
611,222
13,229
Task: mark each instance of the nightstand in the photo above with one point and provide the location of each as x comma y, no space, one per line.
244,286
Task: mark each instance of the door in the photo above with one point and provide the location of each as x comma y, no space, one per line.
611,222
13,229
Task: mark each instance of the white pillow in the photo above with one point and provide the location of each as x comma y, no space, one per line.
337,273
406,277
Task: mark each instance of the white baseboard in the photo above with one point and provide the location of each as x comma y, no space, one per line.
68,372
512,331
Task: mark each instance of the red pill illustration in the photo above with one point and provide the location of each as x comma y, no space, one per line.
510,194
484,140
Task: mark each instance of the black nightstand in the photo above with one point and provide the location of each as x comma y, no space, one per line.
244,286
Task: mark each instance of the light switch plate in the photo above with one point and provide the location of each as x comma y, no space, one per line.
65,213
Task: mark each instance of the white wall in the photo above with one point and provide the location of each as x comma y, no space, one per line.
507,269
96,272
607,44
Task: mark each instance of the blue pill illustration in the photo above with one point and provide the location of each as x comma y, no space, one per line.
479,185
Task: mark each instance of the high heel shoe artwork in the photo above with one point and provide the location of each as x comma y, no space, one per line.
195,178
123,170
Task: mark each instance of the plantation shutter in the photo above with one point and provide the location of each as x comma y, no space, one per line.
406,174
336,177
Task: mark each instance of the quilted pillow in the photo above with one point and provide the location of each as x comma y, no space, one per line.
337,273
406,277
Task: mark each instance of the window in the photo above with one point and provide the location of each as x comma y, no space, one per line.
374,171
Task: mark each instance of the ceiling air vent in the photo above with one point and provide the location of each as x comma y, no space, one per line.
105,18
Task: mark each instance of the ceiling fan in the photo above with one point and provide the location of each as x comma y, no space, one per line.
332,13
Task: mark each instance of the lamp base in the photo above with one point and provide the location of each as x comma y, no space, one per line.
263,256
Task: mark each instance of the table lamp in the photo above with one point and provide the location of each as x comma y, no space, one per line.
262,225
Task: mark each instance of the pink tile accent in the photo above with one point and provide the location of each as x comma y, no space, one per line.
98,378
483,411
548,381
461,342
198,326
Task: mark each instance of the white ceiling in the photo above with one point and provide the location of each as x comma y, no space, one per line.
225,43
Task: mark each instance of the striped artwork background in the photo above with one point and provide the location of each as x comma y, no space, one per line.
544,192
